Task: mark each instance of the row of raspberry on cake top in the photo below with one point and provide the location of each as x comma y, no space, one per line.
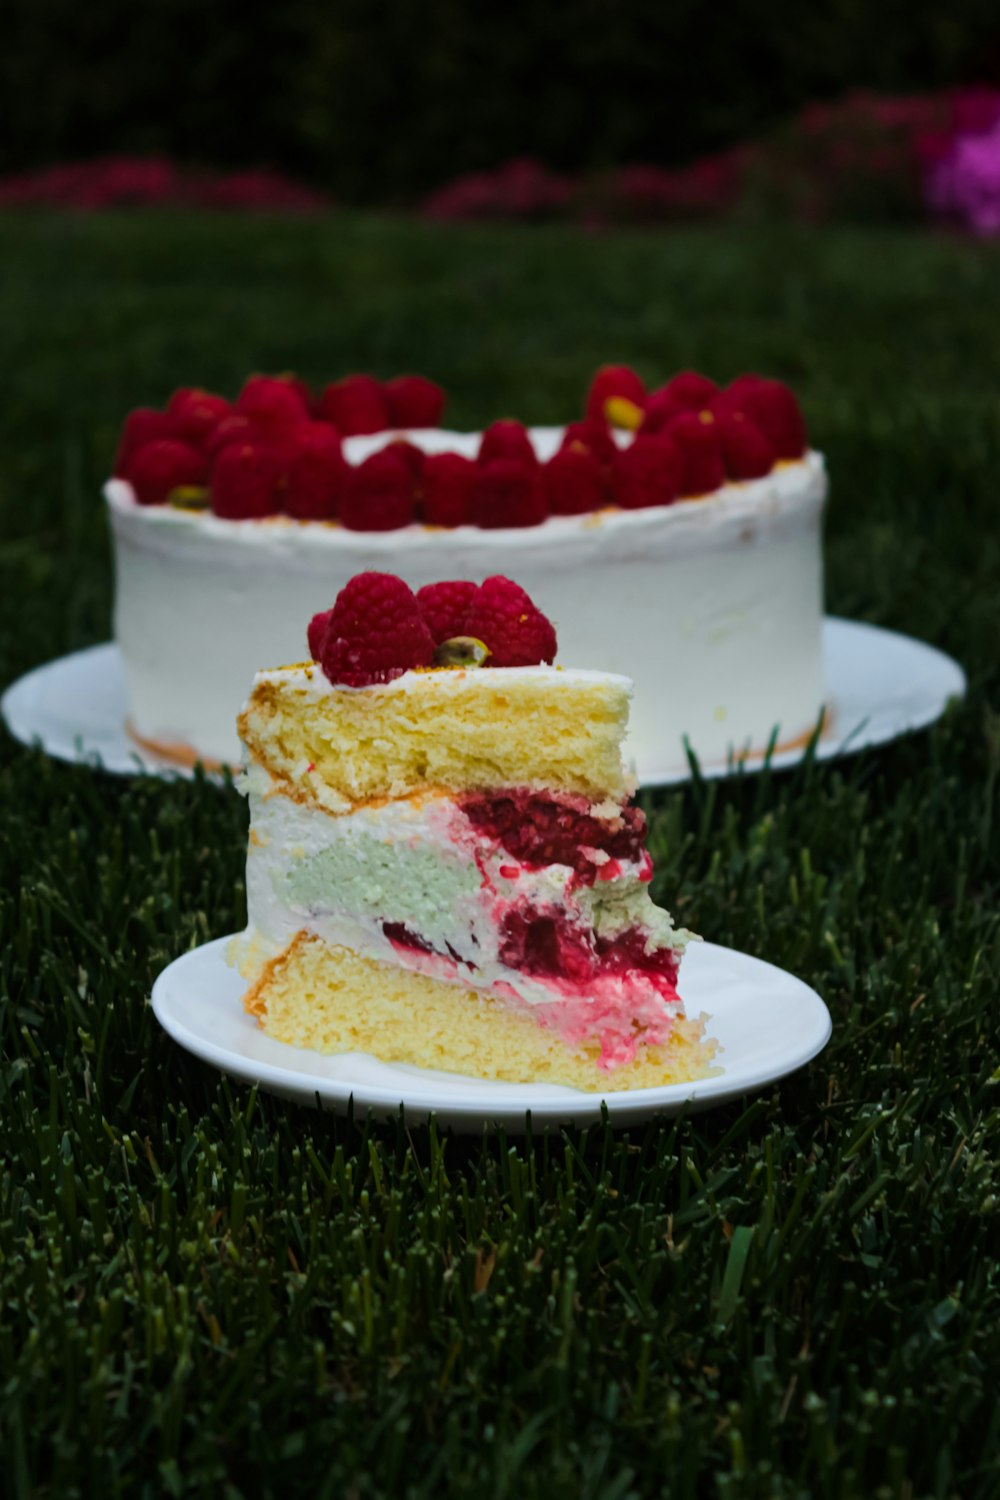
277,452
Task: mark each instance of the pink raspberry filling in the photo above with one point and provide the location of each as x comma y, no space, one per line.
545,944
617,991
539,831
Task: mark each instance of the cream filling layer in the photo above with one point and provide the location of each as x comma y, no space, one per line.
419,865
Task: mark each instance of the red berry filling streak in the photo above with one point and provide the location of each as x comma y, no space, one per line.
538,831
547,946
277,450
621,977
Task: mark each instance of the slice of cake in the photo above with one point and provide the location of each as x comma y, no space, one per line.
444,865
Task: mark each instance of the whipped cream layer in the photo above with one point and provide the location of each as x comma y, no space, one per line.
415,883
712,606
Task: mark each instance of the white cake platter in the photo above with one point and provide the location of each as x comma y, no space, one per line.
879,685
767,1023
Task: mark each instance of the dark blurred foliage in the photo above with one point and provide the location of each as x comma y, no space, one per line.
384,99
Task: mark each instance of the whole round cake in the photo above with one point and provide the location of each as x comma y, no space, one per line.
673,537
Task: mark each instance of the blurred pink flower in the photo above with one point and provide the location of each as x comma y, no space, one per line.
975,111
708,186
963,184
254,190
519,189
122,181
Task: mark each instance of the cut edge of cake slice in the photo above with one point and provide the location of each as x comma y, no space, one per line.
444,868
465,912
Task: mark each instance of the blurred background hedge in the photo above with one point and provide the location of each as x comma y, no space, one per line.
379,100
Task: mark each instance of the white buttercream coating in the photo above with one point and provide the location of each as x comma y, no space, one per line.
309,681
712,606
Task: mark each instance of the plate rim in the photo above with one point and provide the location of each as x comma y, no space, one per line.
831,745
559,1103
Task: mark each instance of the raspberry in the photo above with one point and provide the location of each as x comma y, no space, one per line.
235,428
508,493
197,414
661,408
309,402
141,427
413,401
503,617
736,392
624,951
375,632
412,456
403,937
317,474
536,942
445,606
773,407
378,494
691,390
162,466
590,437
273,404
573,482
507,440
248,481
746,452
355,405
696,434
687,391
616,395
647,473
316,633
537,830
448,480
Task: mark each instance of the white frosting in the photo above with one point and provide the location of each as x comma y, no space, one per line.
311,682
712,606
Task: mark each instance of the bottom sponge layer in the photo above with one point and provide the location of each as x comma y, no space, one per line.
332,1000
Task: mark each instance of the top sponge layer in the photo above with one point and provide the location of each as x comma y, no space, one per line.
448,730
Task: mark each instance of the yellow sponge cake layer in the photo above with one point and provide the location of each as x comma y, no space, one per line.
457,730
333,1000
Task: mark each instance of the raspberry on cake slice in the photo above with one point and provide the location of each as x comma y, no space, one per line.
445,868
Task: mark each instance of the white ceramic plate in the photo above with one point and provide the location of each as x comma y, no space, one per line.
879,685
768,1023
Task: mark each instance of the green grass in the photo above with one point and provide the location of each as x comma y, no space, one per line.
207,1290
